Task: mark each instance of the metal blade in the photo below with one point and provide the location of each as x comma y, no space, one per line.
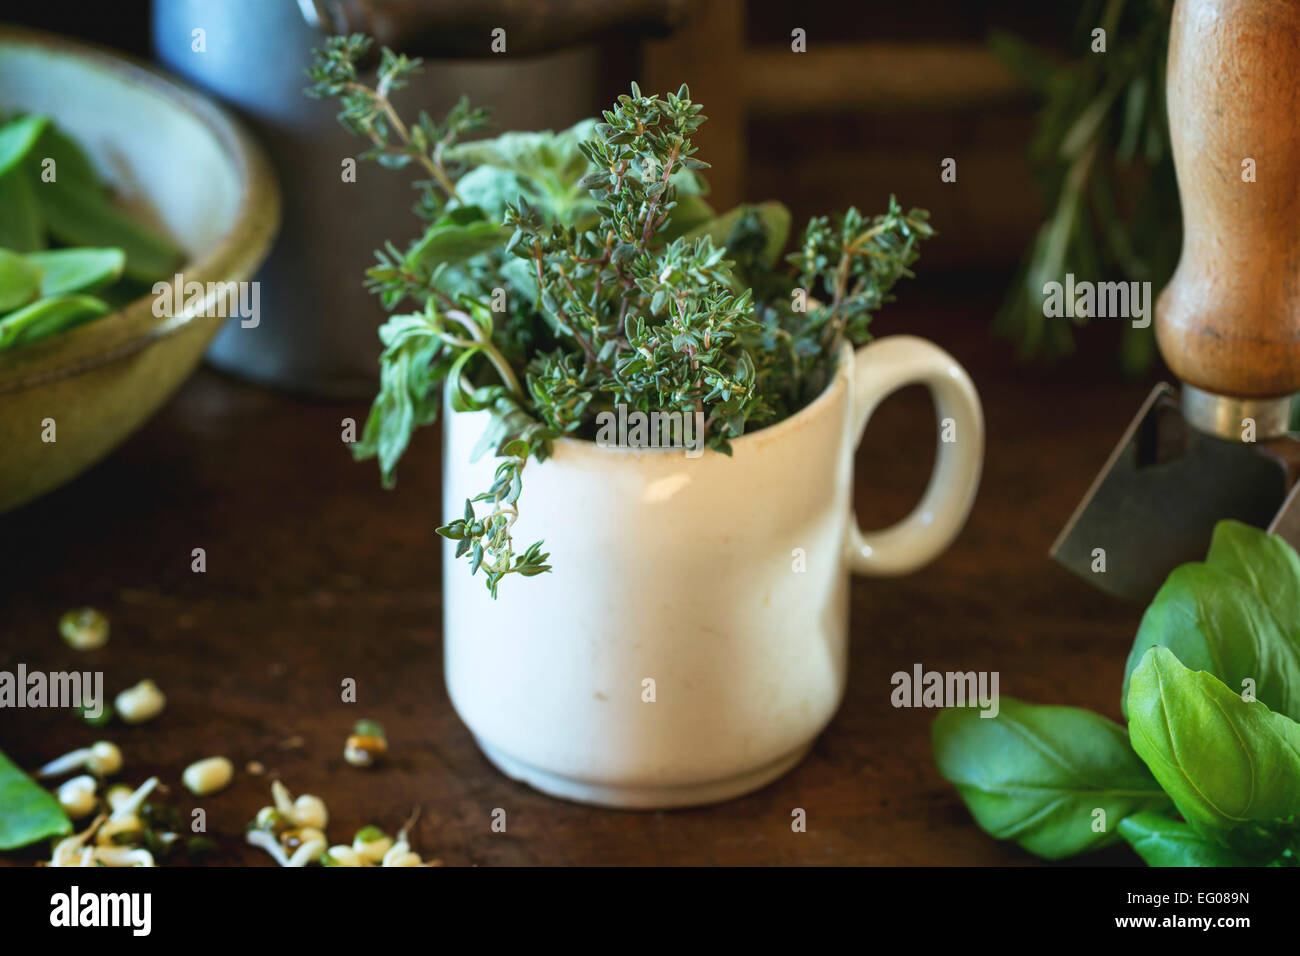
1155,503
1286,524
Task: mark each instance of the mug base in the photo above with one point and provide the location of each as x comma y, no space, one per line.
641,798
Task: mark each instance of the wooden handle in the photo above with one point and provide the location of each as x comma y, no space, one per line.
1229,320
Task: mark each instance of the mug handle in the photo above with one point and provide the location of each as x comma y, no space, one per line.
879,369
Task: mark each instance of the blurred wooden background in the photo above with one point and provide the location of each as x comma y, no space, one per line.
884,93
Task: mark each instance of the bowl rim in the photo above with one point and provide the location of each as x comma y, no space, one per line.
233,257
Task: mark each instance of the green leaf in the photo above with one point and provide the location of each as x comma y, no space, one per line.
17,138
47,317
1228,765
20,280
30,813
79,216
1265,563
78,270
1236,615
1161,841
775,220
452,243
72,167
544,167
22,227
1037,774
530,154
690,212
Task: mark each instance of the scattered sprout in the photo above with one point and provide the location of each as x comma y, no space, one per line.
123,856
102,759
71,850
291,825
362,751
140,703
77,796
371,843
208,775
84,628
341,856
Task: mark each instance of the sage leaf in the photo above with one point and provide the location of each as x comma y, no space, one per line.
773,216
78,270
690,212
1227,764
1236,615
17,137
28,812
79,216
452,243
1036,775
22,227
544,154
1162,841
20,280
47,317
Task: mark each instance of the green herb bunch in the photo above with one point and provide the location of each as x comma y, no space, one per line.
1207,772
1102,160
564,274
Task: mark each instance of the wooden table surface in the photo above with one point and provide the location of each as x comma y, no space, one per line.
315,574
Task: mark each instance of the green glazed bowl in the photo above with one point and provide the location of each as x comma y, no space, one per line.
181,162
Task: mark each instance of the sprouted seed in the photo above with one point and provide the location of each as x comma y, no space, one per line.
208,775
77,796
140,703
366,744
84,628
102,758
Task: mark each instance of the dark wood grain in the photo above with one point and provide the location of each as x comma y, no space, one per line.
314,574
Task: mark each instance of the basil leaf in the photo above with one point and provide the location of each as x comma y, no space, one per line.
22,227
78,270
1266,564
28,812
79,216
1036,774
1227,764
17,138
20,280
1236,616
47,317
1161,841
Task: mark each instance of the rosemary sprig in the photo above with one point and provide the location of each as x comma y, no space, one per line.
1102,159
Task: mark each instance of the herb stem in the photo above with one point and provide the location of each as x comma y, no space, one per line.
489,349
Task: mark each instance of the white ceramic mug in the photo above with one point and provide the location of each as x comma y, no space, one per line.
691,641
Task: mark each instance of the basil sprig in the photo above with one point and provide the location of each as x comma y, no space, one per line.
1209,771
